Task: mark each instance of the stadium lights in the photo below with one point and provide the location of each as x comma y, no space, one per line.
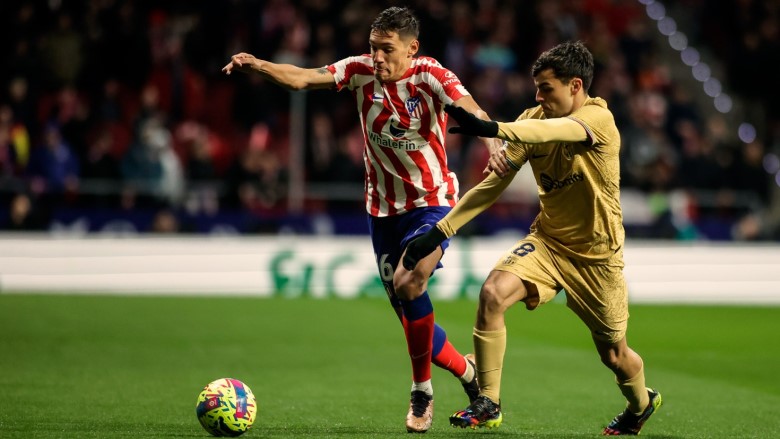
746,132
772,163
690,56
702,72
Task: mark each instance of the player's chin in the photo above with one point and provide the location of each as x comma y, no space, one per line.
382,76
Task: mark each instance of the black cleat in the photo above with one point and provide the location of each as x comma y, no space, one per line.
483,412
630,424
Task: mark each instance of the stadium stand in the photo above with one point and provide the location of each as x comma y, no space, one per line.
115,116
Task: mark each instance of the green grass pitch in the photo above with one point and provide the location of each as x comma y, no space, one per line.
132,367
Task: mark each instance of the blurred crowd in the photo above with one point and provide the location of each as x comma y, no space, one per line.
122,105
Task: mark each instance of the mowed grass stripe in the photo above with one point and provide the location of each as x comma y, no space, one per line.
118,366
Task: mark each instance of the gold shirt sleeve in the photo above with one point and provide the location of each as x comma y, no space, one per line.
559,129
474,202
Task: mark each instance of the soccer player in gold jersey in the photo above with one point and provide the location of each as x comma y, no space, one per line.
575,243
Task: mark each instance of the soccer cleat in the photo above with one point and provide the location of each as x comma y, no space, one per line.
628,423
420,416
483,412
472,387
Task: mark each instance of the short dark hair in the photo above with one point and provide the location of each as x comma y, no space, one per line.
567,60
399,20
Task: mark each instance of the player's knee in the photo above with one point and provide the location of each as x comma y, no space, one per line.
491,298
500,291
615,357
610,358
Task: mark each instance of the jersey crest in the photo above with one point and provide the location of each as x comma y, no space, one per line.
413,107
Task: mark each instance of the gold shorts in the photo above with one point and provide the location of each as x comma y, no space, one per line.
597,293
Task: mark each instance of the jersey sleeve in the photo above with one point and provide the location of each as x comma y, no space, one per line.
452,87
517,152
444,82
598,122
345,70
474,202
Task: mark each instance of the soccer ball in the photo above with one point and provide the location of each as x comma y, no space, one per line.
226,407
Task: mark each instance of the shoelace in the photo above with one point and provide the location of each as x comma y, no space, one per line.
482,407
420,401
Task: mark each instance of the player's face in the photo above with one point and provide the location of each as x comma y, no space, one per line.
391,54
555,97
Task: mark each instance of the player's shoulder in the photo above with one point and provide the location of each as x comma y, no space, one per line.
427,63
358,65
360,59
596,102
594,108
355,60
532,113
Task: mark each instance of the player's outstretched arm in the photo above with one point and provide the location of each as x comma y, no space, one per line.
559,129
286,75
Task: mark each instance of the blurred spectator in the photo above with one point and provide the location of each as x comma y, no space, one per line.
200,151
23,216
346,164
151,166
62,52
697,167
100,172
22,103
257,180
749,175
495,52
54,162
14,144
461,41
194,145
71,112
165,222
322,147
109,106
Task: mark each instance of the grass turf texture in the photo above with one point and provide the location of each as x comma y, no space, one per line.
115,366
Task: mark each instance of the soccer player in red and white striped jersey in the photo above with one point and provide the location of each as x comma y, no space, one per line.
408,187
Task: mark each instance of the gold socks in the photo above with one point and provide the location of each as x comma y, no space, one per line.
489,347
635,392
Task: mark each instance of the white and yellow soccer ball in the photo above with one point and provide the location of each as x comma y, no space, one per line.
226,407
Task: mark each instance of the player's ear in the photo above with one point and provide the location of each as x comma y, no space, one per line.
575,86
414,46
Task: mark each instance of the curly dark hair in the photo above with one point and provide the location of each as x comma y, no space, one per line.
567,60
397,19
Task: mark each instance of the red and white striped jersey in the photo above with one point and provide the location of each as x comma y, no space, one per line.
404,125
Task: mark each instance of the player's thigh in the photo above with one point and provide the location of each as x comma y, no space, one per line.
599,296
534,265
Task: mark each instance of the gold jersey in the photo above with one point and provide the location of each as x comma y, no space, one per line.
578,182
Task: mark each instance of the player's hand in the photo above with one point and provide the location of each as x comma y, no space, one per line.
470,124
242,62
421,246
497,161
